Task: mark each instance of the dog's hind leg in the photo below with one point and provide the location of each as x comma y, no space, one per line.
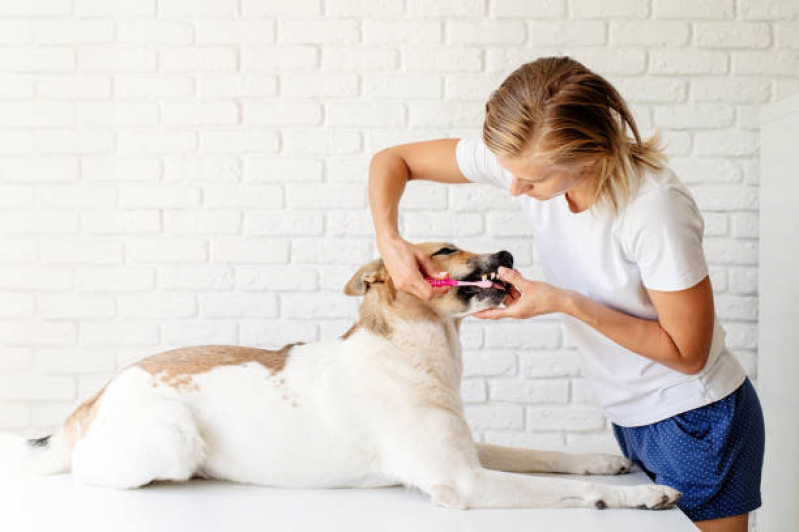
514,460
129,446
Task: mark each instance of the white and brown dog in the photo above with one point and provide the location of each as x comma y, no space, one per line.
379,406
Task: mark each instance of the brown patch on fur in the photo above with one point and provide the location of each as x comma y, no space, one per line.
176,366
78,423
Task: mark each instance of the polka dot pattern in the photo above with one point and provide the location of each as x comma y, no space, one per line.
712,454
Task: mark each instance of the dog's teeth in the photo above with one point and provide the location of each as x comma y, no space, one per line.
485,277
493,275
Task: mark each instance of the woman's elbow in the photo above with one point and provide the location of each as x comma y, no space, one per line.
693,365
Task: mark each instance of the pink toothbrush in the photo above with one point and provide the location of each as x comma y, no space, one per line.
453,282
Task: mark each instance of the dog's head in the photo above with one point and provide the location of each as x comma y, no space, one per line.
460,264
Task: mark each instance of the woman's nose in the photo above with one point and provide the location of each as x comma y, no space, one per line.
516,187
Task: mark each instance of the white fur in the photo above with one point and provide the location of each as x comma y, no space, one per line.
360,412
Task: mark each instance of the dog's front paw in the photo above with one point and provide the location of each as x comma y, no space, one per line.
606,464
656,497
447,496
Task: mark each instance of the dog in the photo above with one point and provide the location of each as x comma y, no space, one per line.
378,406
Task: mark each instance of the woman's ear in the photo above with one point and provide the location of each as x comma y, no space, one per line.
368,274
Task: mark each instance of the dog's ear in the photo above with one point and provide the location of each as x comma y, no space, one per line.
368,274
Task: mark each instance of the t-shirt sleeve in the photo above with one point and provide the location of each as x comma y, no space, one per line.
479,165
663,236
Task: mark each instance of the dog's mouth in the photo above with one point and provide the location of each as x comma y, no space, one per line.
497,284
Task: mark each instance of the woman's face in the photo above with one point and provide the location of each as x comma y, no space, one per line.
542,181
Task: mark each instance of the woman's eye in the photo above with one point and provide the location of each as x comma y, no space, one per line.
444,251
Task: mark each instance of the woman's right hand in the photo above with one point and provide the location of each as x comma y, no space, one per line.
408,265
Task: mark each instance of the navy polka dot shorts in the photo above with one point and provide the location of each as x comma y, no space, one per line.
712,454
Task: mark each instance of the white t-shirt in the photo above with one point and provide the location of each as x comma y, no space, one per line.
656,243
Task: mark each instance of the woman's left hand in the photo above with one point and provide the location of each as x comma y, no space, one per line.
525,299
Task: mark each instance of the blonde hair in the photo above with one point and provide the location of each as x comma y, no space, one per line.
568,114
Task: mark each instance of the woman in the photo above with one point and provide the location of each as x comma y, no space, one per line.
620,239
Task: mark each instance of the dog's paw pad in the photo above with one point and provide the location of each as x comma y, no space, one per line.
446,496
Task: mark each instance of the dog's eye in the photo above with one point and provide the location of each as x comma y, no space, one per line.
444,251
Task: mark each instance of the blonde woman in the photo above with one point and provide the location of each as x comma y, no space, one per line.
620,241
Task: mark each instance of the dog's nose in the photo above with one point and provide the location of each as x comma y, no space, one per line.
504,258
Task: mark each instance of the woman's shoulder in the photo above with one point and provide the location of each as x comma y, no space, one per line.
659,189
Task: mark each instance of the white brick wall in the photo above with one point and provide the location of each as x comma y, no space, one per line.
178,171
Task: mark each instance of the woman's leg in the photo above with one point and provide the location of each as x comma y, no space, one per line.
736,523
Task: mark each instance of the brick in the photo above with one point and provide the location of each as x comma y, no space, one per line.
16,85
238,305
281,113
582,392
552,441
155,141
341,59
726,143
205,170
235,31
421,114
424,196
165,196
37,333
745,225
115,8
76,142
162,306
31,387
449,8
145,87
567,32
523,335
280,8
35,8
237,86
649,33
202,223
116,60
331,251
726,251
268,278
17,250
319,86
239,140
320,142
787,34
424,225
284,223
255,196
767,10
121,222
545,9
418,58
325,197
16,305
549,364
196,277
494,416
578,419
46,59
473,391
198,8
118,114
529,392
731,90
736,307
274,334
770,63
688,9
725,197
617,9
199,113
72,31
74,87
165,250
402,31
270,58
114,279
14,416
743,280
732,35
74,360
198,59
317,306
249,250
364,8
154,32
282,170
52,222
291,31
70,250
76,306
688,62
114,334
489,32
695,115
16,197
38,114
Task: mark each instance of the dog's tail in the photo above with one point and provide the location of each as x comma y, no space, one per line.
51,454
42,456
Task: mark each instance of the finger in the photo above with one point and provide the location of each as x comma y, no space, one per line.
511,276
491,314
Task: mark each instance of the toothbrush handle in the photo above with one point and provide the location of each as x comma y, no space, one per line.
442,282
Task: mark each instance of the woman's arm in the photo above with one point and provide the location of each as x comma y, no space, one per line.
389,171
680,338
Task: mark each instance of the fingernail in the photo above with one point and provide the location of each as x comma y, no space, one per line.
502,269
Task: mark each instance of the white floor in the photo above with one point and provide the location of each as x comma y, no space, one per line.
57,504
